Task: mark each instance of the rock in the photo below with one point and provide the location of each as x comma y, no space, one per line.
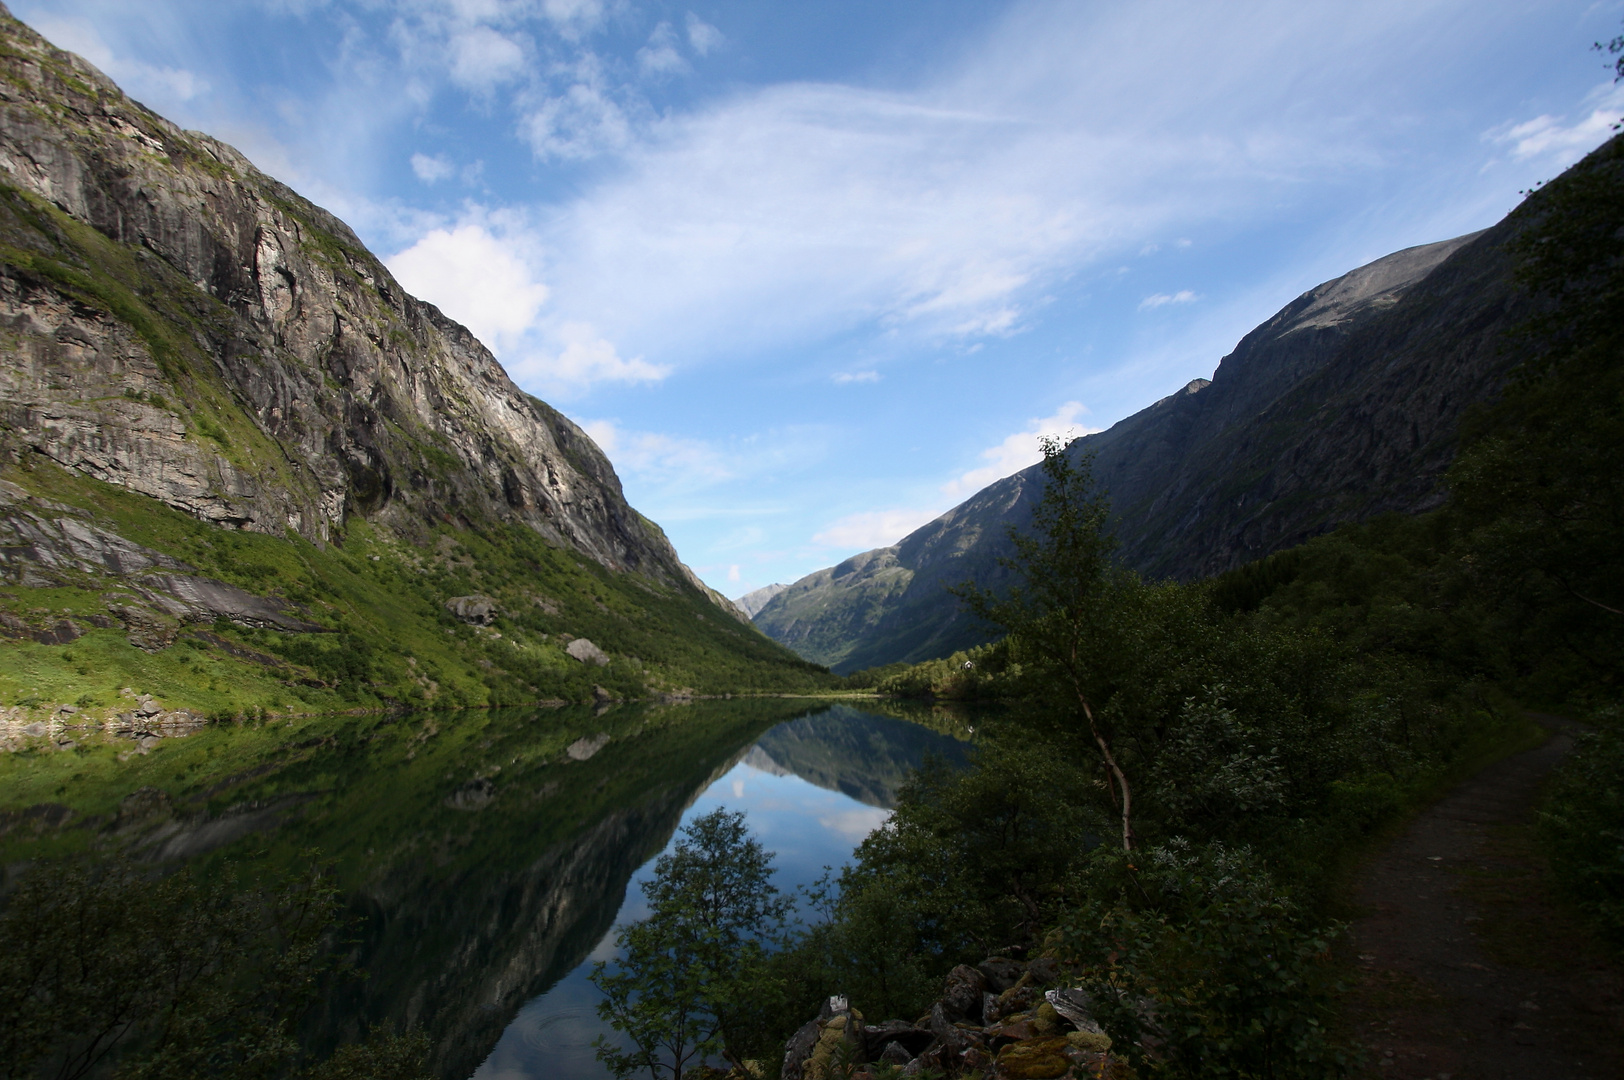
35,730
586,652
476,610
1047,1020
473,794
962,991
952,1038
583,748
894,1055
1044,970
602,696
914,1040
1034,1059
798,1049
1075,1006
1096,1040
989,1008
1001,973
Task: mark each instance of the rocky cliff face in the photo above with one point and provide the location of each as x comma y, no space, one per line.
1343,405
180,324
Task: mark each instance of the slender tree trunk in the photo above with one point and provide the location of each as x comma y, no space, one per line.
1116,771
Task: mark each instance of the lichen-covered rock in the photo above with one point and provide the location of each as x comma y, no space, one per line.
1034,1059
1042,1042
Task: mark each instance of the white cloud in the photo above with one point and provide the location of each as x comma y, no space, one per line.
482,59
1183,296
475,278
1564,143
1018,450
580,121
432,169
702,36
660,56
140,80
873,528
662,460
844,377
733,573
581,357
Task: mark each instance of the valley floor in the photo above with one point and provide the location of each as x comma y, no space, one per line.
1467,965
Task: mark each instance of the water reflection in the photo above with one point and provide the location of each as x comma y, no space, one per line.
487,853
811,787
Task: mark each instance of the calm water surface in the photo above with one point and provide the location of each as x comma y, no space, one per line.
811,789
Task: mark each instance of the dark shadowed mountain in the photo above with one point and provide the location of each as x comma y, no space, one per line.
1343,405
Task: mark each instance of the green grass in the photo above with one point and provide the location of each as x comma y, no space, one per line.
390,641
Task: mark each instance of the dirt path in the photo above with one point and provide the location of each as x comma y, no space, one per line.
1466,967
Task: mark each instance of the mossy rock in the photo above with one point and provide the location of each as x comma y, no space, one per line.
1034,1059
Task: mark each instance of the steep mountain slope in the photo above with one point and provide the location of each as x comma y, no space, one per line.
177,325
1343,405
753,601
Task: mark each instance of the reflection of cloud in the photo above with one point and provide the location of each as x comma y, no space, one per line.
857,823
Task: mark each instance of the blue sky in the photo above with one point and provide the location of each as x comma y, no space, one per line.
813,272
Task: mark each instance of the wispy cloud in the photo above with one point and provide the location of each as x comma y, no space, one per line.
1559,140
873,528
843,378
659,458
431,170
1183,296
1019,450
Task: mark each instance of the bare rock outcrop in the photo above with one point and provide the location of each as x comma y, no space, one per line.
181,325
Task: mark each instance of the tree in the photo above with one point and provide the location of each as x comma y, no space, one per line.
690,983
1072,607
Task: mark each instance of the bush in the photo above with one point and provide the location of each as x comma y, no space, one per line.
1583,824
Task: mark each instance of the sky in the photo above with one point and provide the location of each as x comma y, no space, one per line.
811,273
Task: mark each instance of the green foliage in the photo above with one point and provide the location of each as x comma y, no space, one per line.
1583,825
393,643
170,978
1201,966
690,982
1539,484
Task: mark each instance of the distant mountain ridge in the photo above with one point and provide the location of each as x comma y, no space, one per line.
753,601
1343,405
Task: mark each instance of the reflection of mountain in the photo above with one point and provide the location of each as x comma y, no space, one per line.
485,861
864,756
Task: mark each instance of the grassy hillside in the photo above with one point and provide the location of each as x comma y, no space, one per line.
387,638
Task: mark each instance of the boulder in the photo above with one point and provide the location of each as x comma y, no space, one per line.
962,992
1034,1059
586,652
1001,972
476,610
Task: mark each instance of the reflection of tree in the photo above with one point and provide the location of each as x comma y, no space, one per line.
468,914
